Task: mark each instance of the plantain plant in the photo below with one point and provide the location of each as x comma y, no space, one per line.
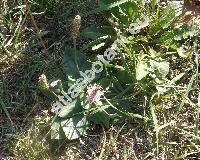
139,74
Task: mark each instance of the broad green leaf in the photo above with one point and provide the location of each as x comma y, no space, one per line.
166,38
141,70
93,43
124,13
74,127
101,117
116,86
128,8
104,82
70,109
56,130
93,32
123,76
105,6
68,65
162,67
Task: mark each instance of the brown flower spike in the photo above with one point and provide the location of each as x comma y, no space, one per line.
76,24
43,82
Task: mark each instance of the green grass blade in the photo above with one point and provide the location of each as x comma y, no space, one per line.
3,106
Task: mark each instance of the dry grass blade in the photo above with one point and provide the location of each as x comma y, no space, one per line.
156,126
103,147
36,27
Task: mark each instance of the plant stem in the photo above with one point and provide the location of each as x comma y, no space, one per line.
75,53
